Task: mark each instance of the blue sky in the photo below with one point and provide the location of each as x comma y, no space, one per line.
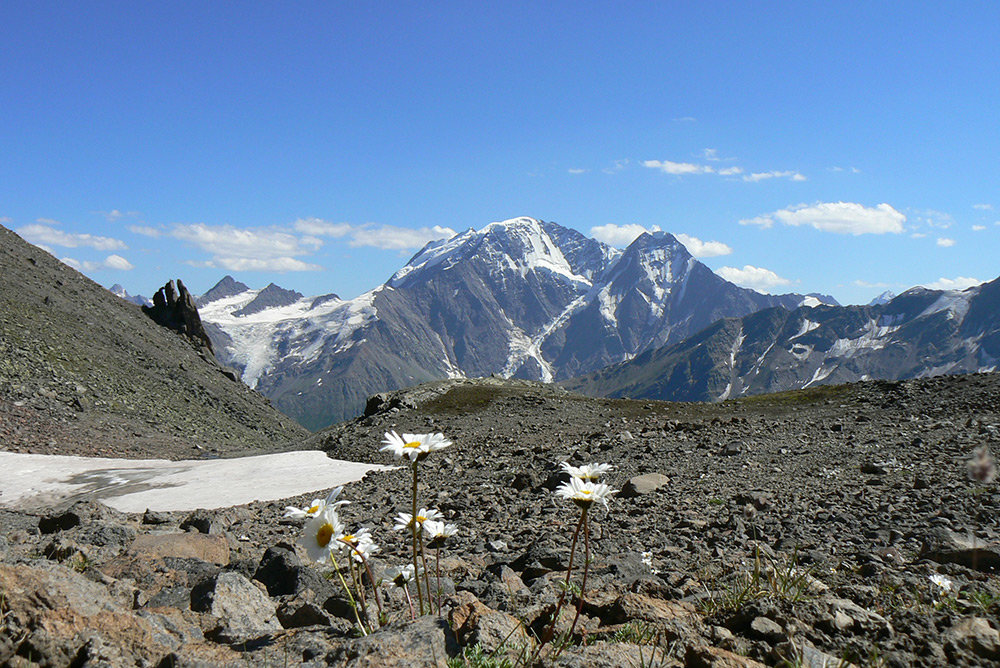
842,148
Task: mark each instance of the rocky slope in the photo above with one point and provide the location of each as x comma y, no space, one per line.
520,298
918,333
786,529
85,372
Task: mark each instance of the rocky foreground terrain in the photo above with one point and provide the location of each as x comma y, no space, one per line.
799,529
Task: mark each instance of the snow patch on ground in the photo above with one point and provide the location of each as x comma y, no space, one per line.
807,326
132,485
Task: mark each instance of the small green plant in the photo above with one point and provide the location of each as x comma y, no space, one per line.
80,563
786,581
637,633
982,601
477,657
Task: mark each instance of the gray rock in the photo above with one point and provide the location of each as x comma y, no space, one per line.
977,635
425,643
641,485
243,611
946,547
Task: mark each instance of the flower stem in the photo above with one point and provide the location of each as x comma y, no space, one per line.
562,597
427,579
350,597
586,569
416,543
437,553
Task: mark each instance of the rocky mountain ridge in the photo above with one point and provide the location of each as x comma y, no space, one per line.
85,372
918,333
520,298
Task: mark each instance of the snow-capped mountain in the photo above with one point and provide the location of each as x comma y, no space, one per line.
916,334
521,298
138,300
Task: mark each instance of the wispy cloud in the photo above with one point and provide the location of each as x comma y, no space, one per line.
688,168
756,278
113,262
957,283
616,166
866,284
978,228
146,230
685,119
678,168
574,170
700,248
945,242
940,220
385,237
45,232
983,207
837,217
280,264
117,214
764,176
4,220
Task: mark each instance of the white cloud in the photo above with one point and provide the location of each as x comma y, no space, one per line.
45,233
945,242
711,154
756,278
113,262
918,235
685,168
390,237
763,176
322,228
978,228
4,220
936,219
620,235
145,230
983,207
573,170
957,283
385,237
677,168
226,241
700,248
837,217
262,264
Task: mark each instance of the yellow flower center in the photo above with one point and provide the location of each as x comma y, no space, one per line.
421,519
314,509
324,534
412,444
586,491
349,538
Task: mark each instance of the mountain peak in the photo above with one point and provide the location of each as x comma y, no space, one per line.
227,287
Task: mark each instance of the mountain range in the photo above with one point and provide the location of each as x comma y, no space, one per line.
917,334
520,298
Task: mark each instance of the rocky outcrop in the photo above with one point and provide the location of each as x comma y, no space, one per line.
174,308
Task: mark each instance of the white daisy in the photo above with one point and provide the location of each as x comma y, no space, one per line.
399,576
405,520
319,534
941,582
414,446
591,472
584,493
317,505
438,532
359,544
